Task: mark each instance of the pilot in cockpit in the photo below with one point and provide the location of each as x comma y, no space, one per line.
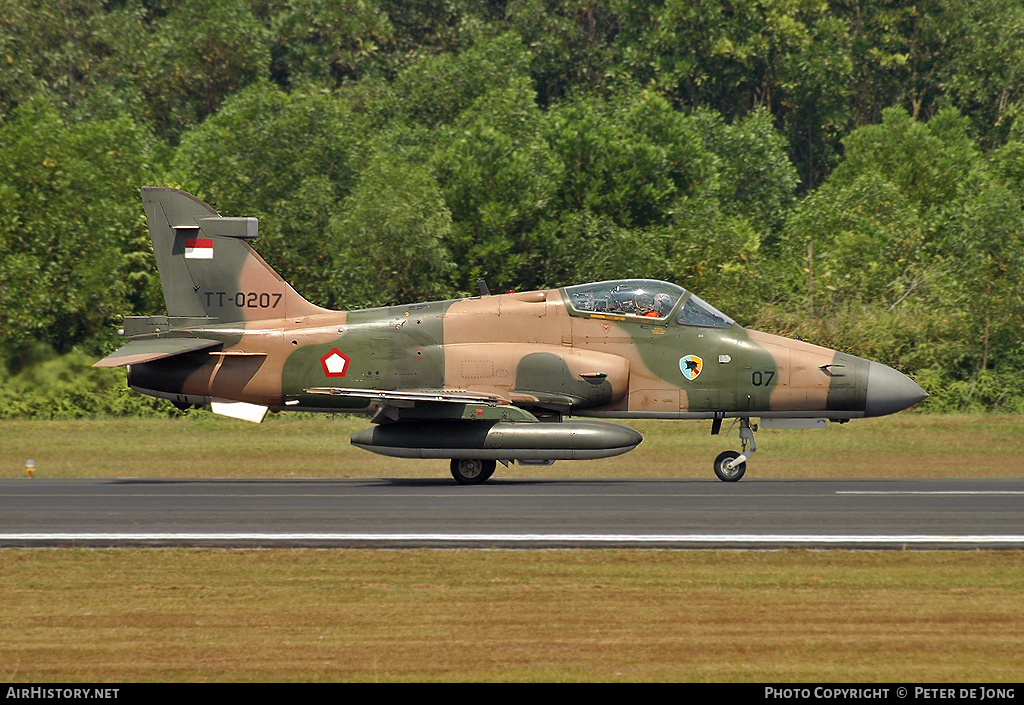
661,308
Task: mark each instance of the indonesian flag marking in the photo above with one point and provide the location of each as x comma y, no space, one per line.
199,248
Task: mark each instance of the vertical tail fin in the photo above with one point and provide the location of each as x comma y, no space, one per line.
207,269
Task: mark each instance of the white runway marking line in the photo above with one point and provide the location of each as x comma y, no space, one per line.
932,492
749,539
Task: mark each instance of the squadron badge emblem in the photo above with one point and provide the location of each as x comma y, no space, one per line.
690,366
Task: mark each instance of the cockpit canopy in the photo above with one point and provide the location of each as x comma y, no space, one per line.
644,298
698,312
626,297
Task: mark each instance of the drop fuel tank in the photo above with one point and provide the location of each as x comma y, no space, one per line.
499,440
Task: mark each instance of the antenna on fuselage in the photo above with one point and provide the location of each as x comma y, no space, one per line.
484,291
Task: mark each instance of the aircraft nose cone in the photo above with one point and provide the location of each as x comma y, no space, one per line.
889,391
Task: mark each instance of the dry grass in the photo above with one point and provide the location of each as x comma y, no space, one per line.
904,445
308,615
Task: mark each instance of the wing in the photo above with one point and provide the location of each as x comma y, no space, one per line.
432,404
138,351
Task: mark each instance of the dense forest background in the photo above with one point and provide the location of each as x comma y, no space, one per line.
849,171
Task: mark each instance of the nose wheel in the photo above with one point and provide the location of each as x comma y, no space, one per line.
730,465
727,470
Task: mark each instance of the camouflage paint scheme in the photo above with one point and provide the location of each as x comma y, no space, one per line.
237,332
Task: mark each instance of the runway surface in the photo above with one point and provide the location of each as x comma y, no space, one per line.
754,513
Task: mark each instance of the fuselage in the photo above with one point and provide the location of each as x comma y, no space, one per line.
622,349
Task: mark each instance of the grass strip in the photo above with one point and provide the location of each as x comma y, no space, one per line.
361,615
905,445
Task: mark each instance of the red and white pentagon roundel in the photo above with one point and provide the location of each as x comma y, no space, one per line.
335,363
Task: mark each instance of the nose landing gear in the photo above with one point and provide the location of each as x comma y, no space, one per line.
730,465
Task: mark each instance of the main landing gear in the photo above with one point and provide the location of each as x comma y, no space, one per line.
470,471
730,465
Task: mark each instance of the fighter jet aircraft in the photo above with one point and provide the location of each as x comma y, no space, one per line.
518,377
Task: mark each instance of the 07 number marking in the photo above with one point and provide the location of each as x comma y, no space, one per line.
762,379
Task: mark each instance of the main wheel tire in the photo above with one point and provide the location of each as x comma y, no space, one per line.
470,471
729,475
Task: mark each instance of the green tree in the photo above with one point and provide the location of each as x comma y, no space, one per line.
72,243
74,51
194,58
756,180
984,237
633,160
264,142
388,243
1008,161
570,44
983,71
326,42
437,88
723,54
816,92
861,241
928,162
499,179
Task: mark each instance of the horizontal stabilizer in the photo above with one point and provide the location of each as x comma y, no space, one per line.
138,351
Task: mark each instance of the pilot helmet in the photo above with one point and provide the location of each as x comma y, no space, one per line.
662,304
